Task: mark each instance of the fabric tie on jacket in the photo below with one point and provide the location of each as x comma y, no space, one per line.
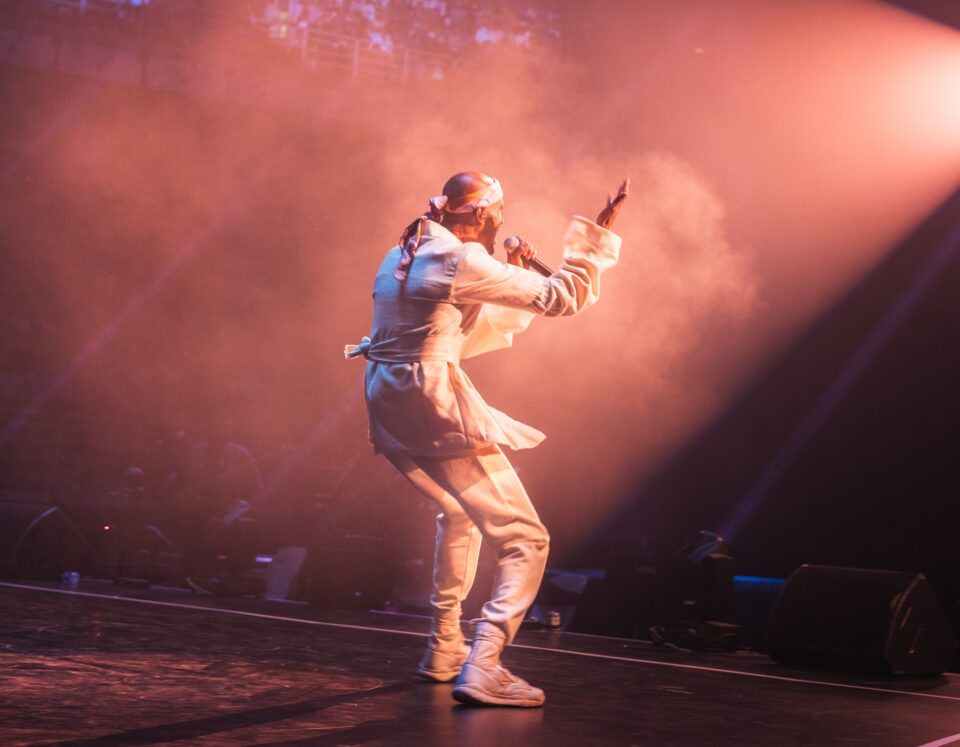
355,351
410,240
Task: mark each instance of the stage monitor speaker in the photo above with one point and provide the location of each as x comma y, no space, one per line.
39,542
878,621
698,582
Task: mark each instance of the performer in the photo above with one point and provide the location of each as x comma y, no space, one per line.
439,297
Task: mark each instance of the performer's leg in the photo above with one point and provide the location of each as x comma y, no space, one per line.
455,562
454,571
488,488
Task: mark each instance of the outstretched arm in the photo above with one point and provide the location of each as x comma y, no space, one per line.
511,295
588,251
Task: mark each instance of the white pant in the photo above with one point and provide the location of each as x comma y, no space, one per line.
481,495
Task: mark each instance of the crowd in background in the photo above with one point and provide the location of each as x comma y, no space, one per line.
438,26
442,26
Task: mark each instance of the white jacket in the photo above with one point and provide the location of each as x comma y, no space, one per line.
458,302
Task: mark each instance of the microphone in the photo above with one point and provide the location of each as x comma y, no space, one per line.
512,242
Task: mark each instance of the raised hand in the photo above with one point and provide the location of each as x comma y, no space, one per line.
609,214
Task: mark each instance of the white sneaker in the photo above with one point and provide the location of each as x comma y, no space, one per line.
495,685
442,666
446,652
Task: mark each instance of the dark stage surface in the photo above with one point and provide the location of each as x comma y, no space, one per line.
163,666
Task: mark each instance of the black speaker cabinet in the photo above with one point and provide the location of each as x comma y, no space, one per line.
878,621
39,542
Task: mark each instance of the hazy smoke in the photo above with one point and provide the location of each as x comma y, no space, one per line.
753,205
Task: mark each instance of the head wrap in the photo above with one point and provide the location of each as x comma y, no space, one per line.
490,194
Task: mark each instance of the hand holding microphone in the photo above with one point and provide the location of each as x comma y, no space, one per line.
522,254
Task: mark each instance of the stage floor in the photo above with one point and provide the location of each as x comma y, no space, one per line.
105,666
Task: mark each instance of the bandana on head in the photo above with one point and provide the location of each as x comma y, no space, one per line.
489,195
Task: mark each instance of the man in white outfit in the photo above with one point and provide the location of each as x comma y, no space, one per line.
439,297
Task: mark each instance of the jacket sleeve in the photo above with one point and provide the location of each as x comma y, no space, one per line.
512,295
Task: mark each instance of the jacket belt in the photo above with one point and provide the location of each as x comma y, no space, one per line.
406,350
